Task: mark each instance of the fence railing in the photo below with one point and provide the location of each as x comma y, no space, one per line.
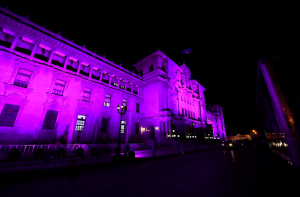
50,150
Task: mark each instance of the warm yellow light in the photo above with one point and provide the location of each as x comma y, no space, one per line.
156,128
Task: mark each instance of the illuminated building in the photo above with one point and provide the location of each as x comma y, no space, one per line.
53,89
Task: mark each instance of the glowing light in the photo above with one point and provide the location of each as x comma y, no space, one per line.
73,59
45,47
168,135
178,135
230,144
156,128
143,129
60,53
8,32
27,40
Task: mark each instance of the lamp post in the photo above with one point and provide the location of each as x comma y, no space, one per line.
121,111
193,127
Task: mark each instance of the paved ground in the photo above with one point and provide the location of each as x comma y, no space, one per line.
242,172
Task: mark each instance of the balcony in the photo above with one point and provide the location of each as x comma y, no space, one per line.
20,83
58,92
85,98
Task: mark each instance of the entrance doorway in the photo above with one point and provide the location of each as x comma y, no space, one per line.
152,132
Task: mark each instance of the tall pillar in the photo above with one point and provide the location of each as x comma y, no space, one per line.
101,74
138,90
132,88
51,56
66,62
78,69
14,42
126,86
109,80
91,71
118,82
34,50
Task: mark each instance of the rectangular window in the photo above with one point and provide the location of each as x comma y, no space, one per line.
124,102
137,128
59,87
107,100
137,108
86,94
80,123
22,78
50,119
8,115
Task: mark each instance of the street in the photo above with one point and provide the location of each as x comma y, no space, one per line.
241,172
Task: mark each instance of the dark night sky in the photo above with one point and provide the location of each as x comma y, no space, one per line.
226,42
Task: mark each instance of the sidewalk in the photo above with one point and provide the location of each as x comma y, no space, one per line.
105,161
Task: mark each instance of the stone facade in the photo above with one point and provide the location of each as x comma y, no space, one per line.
52,89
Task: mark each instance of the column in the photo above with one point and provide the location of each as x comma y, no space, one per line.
109,79
51,56
66,62
91,71
125,86
14,42
118,82
101,73
138,90
78,69
132,88
34,50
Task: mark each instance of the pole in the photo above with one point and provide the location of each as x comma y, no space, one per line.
119,142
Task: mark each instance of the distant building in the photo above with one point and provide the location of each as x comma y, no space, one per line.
215,117
239,137
53,89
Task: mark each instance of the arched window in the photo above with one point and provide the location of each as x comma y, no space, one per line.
151,68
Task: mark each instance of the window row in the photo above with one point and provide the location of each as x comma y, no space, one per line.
188,114
44,53
107,102
23,77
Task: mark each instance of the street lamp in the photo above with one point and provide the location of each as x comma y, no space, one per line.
121,111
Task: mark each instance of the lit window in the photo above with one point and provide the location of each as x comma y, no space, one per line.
137,108
80,123
86,94
9,115
107,100
50,119
59,87
22,78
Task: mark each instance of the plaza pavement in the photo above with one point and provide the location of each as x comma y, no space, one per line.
243,172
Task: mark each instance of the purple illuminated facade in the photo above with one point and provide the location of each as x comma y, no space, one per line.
53,89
